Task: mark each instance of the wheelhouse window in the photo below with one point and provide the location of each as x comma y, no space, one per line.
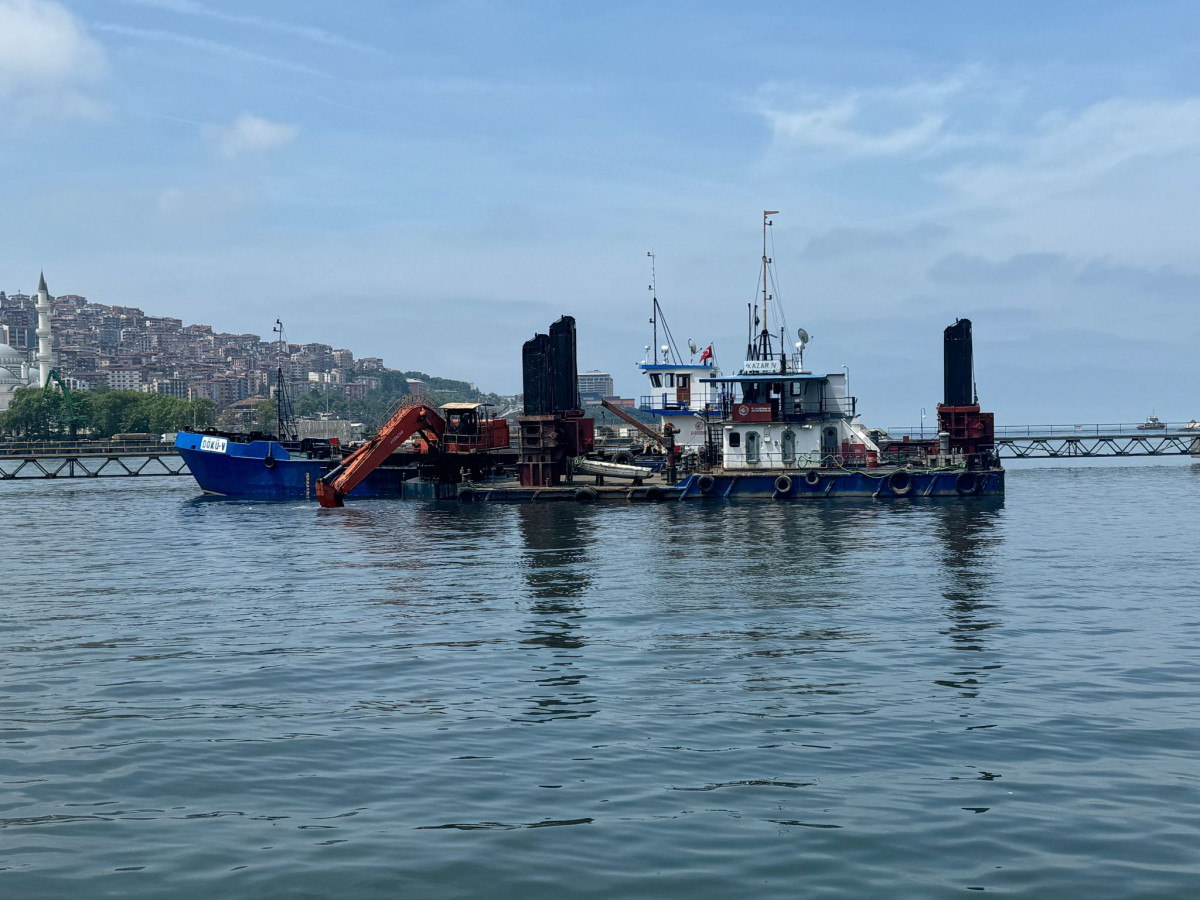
655,380
735,439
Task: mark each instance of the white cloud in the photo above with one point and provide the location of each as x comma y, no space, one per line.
48,61
1069,152
874,122
250,134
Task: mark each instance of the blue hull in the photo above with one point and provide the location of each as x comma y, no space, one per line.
867,484
265,470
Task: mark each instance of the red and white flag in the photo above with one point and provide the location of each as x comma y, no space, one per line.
707,354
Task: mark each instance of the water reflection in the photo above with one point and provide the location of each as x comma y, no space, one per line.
969,538
555,567
761,554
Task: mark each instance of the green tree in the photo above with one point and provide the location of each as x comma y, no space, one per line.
28,414
268,415
203,413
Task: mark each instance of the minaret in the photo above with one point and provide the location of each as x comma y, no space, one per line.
45,355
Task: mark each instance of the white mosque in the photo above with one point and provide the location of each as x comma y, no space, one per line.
15,370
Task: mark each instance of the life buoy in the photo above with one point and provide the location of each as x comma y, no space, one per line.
706,483
586,495
783,484
466,495
269,462
839,460
967,483
900,482
812,479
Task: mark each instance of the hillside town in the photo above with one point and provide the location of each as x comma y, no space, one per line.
96,348
94,345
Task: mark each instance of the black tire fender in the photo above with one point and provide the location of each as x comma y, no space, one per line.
901,483
967,484
813,478
783,484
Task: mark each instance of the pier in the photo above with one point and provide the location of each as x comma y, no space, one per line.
1089,441
88,459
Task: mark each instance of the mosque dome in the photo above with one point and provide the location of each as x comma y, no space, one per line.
11,358
11,362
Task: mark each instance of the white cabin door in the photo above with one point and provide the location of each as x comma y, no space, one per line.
752,447
788,446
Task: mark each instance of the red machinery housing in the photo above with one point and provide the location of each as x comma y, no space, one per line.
970,430
456,436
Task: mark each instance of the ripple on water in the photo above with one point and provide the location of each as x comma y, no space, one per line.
915,699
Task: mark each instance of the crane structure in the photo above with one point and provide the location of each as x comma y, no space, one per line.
455,438
665,439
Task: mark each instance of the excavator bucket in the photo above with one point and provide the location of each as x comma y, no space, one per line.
328,497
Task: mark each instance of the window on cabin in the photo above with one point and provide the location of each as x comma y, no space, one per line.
670,379
735,439
655,380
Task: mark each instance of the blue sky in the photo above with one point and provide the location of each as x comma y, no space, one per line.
432,183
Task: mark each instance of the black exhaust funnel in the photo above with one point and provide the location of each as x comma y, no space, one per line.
959,365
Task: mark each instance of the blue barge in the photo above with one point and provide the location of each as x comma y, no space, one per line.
263,468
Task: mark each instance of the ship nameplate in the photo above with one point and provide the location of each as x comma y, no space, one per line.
214,444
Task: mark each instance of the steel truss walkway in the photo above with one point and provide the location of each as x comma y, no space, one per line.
84,459
1058,441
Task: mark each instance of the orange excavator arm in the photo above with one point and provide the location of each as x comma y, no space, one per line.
337,483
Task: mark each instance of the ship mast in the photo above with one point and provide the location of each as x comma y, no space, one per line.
765,337
653,305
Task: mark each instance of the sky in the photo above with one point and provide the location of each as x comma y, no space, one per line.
433,183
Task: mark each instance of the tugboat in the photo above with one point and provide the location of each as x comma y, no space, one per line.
786,433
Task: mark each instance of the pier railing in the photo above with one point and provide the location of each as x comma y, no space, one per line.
88,459
1095,440
103,447
1192,427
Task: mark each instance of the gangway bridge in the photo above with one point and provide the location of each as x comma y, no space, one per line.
88,459
1084,441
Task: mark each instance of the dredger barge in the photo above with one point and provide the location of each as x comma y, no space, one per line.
778,432
775,430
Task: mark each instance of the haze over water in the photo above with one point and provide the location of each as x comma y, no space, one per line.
206,698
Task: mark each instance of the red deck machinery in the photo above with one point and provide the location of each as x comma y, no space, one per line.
453,439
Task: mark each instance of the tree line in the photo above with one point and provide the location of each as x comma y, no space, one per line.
48,414
38,414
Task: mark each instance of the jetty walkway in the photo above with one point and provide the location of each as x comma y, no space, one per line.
88,459
1096,440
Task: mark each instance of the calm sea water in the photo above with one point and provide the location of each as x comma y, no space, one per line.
216,699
